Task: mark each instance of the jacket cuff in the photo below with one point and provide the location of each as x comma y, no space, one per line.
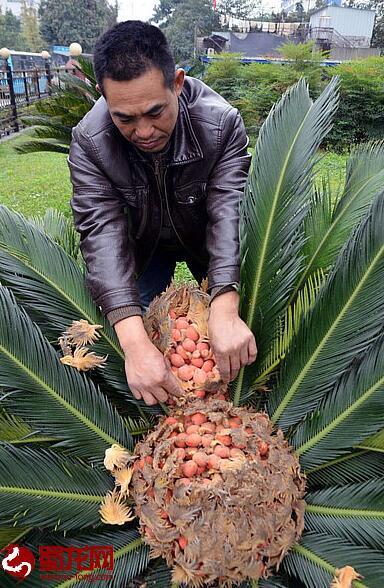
218,290
223,276
116,298
118,314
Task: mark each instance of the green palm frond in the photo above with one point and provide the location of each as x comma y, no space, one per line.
62,110
354,512
346,318
328,232
56,116
290,324
50,284
374,443
11,427
47,128
39,488
358,466
317,222
273,583
55,224
139,426
41,120
130,557
277,196
11,535
72,85
315,559
158,574
52,397
16,431
34,146
86,66
59,133
350,413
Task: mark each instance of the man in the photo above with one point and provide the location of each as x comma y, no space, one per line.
158,168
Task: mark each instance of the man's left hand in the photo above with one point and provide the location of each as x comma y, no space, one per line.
232,341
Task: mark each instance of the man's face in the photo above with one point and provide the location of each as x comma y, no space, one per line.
144,109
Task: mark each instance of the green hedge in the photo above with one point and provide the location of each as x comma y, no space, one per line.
254,88
361,112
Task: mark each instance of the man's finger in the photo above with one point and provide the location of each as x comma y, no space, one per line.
224,367
136,394
160,394
252,350
172,386
235,365
244,357
149,399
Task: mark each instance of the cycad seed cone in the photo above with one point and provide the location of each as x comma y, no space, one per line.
177,324
218,492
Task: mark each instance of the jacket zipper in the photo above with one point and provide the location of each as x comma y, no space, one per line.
143,221
158,184
157,175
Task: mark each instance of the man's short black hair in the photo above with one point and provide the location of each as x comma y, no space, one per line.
130,49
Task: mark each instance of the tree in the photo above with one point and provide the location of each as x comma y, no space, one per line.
65,21
30,28
301,54
164,9
10,31
183,22
238,8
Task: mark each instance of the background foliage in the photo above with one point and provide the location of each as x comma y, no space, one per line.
10,31
65,21
253,89
183,20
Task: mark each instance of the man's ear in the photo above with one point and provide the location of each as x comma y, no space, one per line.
98,89
179,81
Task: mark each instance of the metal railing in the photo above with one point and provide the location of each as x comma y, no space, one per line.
329,35
20,88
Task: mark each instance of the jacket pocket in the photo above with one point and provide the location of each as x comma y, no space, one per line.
191,193
137,204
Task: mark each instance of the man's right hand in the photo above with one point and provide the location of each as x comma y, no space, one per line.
148,374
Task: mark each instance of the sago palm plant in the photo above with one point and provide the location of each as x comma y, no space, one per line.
311,290
51,120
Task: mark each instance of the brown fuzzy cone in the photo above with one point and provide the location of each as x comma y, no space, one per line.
191,359
219,493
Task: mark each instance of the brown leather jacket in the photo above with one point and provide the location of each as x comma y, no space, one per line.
118,212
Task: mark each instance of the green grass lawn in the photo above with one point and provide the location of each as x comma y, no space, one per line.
32,183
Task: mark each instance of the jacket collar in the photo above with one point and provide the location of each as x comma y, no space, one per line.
186,148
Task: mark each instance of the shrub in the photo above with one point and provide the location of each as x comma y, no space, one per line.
254,88
361,111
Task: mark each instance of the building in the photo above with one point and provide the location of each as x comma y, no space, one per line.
15,5
337,26
253,44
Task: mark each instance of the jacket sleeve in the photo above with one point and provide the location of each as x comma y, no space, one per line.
103,226
225,190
